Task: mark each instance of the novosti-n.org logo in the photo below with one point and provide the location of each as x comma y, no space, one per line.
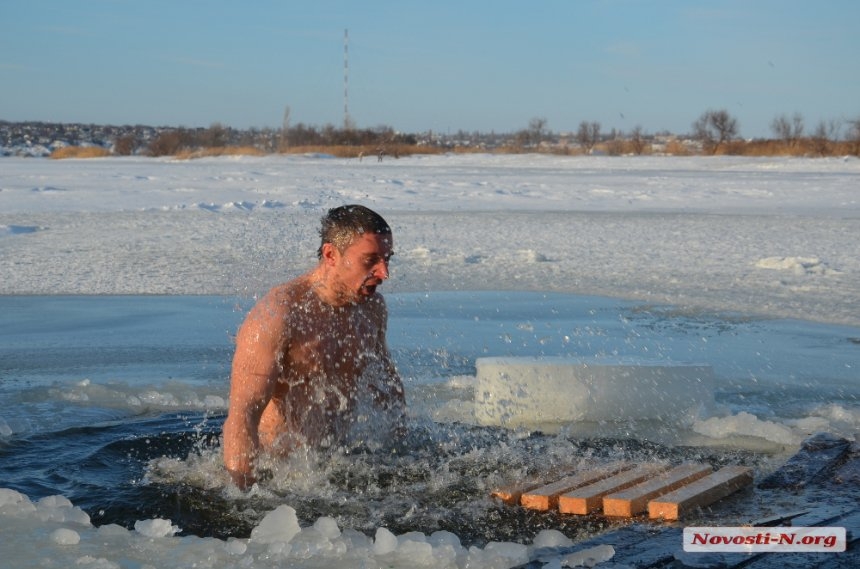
762,539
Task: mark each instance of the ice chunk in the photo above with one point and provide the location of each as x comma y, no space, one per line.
60,509
356,540
64,536
416,536
112,530
528,391
56,501
515,553
418,552
236,546
327,527
442,537
155,528
279,525
796,265
589,557
746,424
551,538
385,541
9,497
309,543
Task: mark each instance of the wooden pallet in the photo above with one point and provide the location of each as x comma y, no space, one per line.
625,490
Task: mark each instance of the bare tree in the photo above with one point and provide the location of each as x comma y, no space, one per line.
714,128
169,142
637,140
216,136
125,145
788,131
588,135
537,130
824,136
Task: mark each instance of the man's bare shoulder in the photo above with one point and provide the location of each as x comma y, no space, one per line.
280,300
289,292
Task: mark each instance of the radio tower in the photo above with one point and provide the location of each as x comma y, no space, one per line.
347,122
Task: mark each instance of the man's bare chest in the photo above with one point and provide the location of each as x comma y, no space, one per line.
329,342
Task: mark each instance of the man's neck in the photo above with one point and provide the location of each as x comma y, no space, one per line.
322,286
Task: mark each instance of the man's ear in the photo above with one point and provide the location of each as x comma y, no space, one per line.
330,254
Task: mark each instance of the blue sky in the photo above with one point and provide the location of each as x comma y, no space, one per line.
441,65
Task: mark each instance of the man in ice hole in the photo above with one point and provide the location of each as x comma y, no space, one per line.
311,357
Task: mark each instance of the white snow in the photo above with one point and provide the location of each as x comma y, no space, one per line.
773,236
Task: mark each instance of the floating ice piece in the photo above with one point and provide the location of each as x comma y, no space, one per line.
279,525
796,265
516,553
747,424
527,391
589,557
155,528
551,538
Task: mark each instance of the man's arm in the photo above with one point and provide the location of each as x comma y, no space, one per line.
254,374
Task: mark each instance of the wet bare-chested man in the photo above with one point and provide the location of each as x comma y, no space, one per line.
312,352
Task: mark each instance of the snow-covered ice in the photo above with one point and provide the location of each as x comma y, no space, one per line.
770,236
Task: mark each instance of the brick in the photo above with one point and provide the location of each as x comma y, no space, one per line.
702,492
512,493
634,500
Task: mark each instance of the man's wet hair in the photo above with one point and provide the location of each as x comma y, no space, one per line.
341,225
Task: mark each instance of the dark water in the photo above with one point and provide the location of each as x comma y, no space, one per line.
117,403
437,479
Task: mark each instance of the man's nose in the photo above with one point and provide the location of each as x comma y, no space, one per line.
380,270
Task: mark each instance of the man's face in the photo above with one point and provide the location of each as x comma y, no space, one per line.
362,266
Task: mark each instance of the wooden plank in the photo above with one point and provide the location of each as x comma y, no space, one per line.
634,500
589,498
546,497
512,493
702,492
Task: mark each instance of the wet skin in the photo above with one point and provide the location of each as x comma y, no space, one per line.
307,353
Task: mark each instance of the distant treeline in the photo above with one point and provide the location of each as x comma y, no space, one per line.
181,140
715,132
